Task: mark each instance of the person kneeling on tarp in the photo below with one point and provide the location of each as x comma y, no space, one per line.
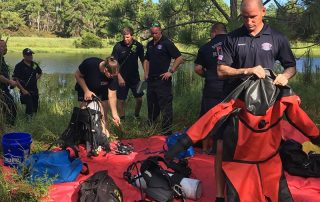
95,77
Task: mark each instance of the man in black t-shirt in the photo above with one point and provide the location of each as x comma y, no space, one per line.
7,105
26,73
94,79
157,71
213,94
127,52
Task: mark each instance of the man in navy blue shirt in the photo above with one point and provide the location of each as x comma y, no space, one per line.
253,47
127,52
213,94
26,73
157,71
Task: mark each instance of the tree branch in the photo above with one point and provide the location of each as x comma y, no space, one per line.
223,12
190,22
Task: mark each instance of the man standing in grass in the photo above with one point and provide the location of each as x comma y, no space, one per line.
213,94
127,52
26,73
157,71
7,105
94,78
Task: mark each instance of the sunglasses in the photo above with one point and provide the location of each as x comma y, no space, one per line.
155,24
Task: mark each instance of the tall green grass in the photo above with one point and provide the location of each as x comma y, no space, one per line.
55,45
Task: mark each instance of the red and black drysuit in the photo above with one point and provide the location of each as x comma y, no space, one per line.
249,120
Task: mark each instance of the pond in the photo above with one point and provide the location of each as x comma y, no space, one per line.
64,63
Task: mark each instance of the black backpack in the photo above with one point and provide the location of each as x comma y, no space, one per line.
85,126
100,187
161,185
296,162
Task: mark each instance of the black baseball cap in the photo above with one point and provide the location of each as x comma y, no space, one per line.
27,51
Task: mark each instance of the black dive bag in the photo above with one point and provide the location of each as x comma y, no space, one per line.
100,187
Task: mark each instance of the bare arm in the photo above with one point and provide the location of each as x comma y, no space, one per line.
146,69
112,95
176,63
225,71
173,69
7,81
198,69
23,90
283,79
80,80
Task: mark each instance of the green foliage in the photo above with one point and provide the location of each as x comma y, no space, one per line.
14,188
298,19
88,40
11,21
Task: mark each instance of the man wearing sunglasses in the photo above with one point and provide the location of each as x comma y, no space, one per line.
158,73
95,78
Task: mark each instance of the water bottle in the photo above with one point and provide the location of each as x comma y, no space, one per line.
192,188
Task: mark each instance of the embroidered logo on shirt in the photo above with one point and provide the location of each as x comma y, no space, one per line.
134,48
242,44
104,83
159,46
266,46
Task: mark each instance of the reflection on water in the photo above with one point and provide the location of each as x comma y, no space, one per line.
53,63
62,80
68,63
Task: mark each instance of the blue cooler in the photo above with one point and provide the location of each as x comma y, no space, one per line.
16,148
172,139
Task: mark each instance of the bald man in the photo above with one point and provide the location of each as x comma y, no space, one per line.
253,47
248,50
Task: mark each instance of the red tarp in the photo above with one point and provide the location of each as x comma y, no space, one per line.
302,189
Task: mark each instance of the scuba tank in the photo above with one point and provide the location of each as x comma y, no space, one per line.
160,184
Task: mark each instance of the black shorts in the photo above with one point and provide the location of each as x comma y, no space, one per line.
206,105
122,92
101,93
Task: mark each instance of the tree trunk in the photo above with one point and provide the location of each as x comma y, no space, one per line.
38,21
233,9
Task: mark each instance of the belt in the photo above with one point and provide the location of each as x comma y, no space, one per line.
154,78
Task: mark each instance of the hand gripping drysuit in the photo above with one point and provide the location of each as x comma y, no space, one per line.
249,120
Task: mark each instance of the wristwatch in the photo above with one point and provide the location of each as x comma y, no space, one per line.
171,71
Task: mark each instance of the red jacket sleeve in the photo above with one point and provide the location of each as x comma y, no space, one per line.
201,128
300,120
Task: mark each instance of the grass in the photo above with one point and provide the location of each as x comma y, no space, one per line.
57,102
54,45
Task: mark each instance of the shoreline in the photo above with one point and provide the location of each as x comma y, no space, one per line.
66,45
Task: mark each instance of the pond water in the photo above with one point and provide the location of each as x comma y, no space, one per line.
64,63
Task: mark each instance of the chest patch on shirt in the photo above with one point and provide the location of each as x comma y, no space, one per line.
266,46
104,83
159,46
